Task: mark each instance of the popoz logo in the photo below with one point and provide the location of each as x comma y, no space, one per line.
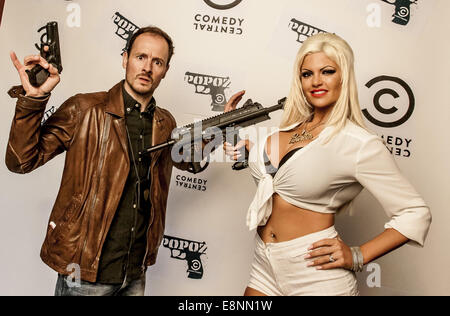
47,114
402,12
210,85
125,29
303,30
188,250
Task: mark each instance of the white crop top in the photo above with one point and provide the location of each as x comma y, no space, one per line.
323,177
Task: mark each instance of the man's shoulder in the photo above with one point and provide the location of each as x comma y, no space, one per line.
91,98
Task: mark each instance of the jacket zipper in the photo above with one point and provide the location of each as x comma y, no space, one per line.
152,214
100,166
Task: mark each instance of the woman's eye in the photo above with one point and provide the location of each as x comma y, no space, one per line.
306,74
329,72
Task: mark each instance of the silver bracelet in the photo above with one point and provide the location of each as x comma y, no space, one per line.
358,260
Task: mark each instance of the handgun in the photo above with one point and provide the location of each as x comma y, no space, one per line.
125,29
402,12
210,85
50,39
188,250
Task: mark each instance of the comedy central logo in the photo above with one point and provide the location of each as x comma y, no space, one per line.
192,183
210,85
222,5
392,110
303,30
392,114
217,23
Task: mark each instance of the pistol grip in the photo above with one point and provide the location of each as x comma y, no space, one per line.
37,75
242,162
241,165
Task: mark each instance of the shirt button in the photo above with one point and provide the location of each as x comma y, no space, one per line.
137,105
140,159
132,229
128,110
140,136
134,205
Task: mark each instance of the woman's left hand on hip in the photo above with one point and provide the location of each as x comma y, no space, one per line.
328,254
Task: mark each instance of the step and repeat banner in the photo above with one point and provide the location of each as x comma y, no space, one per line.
221,47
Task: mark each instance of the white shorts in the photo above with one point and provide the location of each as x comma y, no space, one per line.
279,269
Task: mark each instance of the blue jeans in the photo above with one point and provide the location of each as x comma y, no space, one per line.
64,287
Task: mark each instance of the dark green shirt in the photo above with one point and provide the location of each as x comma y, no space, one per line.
125,245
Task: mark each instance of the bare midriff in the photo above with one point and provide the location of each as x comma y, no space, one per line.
288,222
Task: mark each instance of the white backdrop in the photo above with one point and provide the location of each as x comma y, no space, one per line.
252,46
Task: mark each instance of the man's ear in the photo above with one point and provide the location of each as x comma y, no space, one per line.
167,69
124,60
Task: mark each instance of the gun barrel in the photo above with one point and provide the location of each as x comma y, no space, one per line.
53,40
158,147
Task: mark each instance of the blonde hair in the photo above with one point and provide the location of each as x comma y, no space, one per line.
298,110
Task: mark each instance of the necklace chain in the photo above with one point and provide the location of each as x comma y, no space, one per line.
305,134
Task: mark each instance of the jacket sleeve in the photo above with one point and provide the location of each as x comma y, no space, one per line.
31,144
377,171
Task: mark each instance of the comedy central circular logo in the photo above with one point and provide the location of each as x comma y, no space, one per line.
196,265
222,5
391,115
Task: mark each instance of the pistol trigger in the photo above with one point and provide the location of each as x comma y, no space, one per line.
37,46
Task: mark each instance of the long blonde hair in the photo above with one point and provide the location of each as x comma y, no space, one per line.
298,110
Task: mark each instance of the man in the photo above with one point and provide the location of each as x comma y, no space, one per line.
108,218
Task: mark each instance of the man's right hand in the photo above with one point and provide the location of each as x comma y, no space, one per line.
29,63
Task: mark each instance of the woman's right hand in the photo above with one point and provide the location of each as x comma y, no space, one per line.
234,152
29,62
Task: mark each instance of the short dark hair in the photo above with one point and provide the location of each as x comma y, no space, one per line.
156,31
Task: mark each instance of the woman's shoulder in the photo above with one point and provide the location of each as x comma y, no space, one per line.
358,132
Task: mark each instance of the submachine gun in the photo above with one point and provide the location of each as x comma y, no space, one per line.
37,74
190,137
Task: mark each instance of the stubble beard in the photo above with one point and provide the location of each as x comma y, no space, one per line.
144,92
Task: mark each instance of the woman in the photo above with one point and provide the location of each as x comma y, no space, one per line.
318,161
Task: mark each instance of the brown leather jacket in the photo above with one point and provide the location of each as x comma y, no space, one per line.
91,129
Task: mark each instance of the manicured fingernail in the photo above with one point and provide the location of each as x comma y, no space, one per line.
319,268
307,256
310,247
310,264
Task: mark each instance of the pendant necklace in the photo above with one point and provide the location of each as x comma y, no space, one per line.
305,134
